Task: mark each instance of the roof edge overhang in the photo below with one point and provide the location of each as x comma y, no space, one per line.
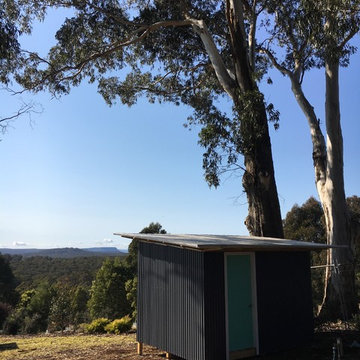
234,243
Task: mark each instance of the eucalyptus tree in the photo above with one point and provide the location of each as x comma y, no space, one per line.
16,17
317,34
186,51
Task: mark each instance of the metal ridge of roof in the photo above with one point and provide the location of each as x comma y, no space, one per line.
223,242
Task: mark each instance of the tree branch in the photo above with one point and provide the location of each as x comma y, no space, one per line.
221,72
251,36
275,63
142,32
348,37
25,108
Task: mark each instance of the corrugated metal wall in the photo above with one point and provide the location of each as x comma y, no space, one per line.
215,344
171,300
284,301
181,304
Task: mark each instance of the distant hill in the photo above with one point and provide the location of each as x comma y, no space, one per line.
65,252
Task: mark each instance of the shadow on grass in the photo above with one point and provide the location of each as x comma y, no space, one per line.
9,346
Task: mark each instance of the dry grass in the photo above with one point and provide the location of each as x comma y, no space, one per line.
113,347
74,347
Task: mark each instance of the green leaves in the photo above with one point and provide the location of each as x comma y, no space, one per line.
312,32
108,296
155,49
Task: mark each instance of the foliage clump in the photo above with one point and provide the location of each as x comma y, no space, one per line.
119,326
107,294
97,326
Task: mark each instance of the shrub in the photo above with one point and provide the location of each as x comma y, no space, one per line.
33,324
131,295
81,328
97,326
13,324
119,326
5,310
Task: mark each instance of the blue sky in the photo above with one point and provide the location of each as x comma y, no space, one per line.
81,170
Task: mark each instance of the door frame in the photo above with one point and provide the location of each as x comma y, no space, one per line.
253,296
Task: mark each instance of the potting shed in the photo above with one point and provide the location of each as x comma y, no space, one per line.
215,297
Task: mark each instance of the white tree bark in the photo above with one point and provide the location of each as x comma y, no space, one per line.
222,74
334,203
329,180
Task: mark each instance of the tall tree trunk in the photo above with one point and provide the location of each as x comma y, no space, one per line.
264,217
340,292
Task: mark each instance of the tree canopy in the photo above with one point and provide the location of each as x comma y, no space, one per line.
131,259
189,52
16,17
306,222
146,49
107,294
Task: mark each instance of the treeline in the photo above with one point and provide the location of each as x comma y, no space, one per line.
58,305
98,294
94,294
32,271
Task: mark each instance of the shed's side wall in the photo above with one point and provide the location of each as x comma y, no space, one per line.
171,300
284,301
215,345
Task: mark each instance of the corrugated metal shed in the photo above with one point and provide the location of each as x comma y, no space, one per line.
227,242
200,296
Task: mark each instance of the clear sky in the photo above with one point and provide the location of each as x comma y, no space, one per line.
81,170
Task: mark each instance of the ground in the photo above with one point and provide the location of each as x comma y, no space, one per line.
114,347
74,347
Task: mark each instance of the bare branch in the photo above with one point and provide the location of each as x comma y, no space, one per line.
24,109
274,61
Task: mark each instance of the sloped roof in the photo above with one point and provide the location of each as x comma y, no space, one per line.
227,242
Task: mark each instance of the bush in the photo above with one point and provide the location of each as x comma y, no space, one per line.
119,326
81,328
13,324
97,326
5,310
33,324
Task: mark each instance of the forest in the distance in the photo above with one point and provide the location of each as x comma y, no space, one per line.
93,293
98,293
32,271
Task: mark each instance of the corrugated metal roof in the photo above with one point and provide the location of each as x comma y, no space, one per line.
226,242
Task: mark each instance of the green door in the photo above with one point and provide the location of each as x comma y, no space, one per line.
239,294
